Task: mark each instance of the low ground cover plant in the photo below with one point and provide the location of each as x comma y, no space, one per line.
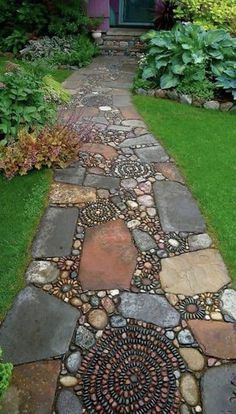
191,59
5,375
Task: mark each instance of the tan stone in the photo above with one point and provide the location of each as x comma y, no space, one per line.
193,273
62,193
189,389
98,319
68,381
193,358
108,152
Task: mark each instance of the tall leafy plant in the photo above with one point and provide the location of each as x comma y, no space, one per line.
164,18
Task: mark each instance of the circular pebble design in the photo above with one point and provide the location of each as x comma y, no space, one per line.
132,169
132,370
97,213
191,308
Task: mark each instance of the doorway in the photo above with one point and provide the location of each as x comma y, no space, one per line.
136,12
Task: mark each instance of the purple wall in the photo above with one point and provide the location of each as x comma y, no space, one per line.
100,8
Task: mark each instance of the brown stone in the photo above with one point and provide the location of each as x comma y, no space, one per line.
98,319
170,171
32,389
71,194
193,273
217,339
108,304
108,257
128,112
193,358
189,389
108,152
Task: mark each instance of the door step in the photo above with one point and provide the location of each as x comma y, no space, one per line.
119,41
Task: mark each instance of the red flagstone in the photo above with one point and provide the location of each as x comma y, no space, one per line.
32,389
169,170
217,339
108,258
108,152
129,112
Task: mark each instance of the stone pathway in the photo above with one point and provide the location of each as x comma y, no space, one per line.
128,306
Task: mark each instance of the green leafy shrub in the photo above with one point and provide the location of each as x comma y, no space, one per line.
15,41
171,53
54,92
5,375
57,146
208,13
69,50
22,104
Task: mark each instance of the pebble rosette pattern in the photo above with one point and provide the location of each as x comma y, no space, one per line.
132,169
97,213
131,370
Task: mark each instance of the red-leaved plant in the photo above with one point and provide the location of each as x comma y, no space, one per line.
164,14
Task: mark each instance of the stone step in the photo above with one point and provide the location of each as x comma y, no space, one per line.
119,31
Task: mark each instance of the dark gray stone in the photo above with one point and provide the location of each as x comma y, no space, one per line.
55,235
143,240
149,308
119,203
68,403
73,362
38,326
218,387
70,175
177,209
152,154
146,139
184,409
102,181
84,338
118,321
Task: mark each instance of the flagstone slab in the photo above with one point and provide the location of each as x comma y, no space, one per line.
143,240
218,388
228,300
193,273
108,257
102,181
38,326
170,171
146,139
55,234
108,152
68,403
32,388
128,112
149,308
42,272
62,193
217,339
70,175
152,154
177,209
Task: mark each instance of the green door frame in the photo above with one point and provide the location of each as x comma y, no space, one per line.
121,14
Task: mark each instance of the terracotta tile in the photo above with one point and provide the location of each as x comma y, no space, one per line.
109,153
62,193
108,258
32,389
217,339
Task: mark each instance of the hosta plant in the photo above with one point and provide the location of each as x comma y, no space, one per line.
171,53
5,375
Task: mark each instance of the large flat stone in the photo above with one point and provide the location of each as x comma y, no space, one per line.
62,193
170,171
68,403
152,154
177,209
146,139
42,272
108,152
108,258
33,388
38,326
102,181
55,234
193,273
70,175
217,339
218,387
148,308
228,300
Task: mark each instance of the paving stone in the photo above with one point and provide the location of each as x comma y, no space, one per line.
55,234
194,359
108,152
100,181
33,388
134,123
121,100
152,154
146,139
68,403
70,175
62,193
98,319
170,171
177,209
84,338
128,112
143,240
42,272
129,183
148,308
228,300
119,128
38,326
218,387
193,273
73,362
108,258
217,339
199,241
189,389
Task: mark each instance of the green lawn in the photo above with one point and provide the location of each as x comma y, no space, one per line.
203,143
22,202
